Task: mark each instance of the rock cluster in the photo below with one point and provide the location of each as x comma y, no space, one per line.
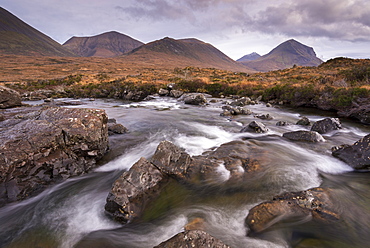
136,188
42,145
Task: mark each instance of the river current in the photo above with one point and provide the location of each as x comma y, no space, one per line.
71,214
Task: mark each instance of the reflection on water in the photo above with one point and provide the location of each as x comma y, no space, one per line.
71,214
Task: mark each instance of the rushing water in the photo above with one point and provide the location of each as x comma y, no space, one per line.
71,214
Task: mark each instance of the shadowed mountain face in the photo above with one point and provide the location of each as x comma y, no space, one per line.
184,52
17,37
249,57
106,45
285,55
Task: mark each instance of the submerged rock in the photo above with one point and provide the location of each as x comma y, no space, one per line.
9,98
356,155
298,207
304,121
39,147
310,136
191,239
326,125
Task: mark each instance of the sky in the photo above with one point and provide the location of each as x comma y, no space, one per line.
334,28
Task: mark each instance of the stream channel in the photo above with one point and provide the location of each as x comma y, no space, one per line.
71,213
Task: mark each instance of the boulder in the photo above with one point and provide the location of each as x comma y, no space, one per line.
282,123
115,128
163,92
171,160
356,155
191,239
310,205
39,147
241,102
304,121
310,136
361,113
9,98
176,93
194,98
264,117
229,110
326,125
133,190
256,127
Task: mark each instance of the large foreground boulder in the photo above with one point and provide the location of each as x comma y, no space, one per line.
41,146
356,155
298,207
9,98
191,239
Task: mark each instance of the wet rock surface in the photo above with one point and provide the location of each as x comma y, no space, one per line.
326,125
309,136
115,128
193,238
356,155
256,127
9,98
193,98
296,207
43,145
133,190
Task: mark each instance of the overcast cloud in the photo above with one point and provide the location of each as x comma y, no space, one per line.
237,27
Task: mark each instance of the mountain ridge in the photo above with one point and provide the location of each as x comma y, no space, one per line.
285,55
108,44
185,52
18,37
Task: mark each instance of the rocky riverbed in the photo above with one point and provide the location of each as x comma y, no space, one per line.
197,171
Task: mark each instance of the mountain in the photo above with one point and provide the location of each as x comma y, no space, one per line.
249,57
169,52
108,44
285,55
17,37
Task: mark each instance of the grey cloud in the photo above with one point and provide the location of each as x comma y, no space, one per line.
332,19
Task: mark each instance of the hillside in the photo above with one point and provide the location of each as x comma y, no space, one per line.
169,52
285,55
249,57
17,37
105,45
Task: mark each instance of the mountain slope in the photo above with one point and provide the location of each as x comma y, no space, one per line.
285,55
169,52
17,37
108,44
249,57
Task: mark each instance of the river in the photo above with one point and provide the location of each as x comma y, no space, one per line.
71,214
